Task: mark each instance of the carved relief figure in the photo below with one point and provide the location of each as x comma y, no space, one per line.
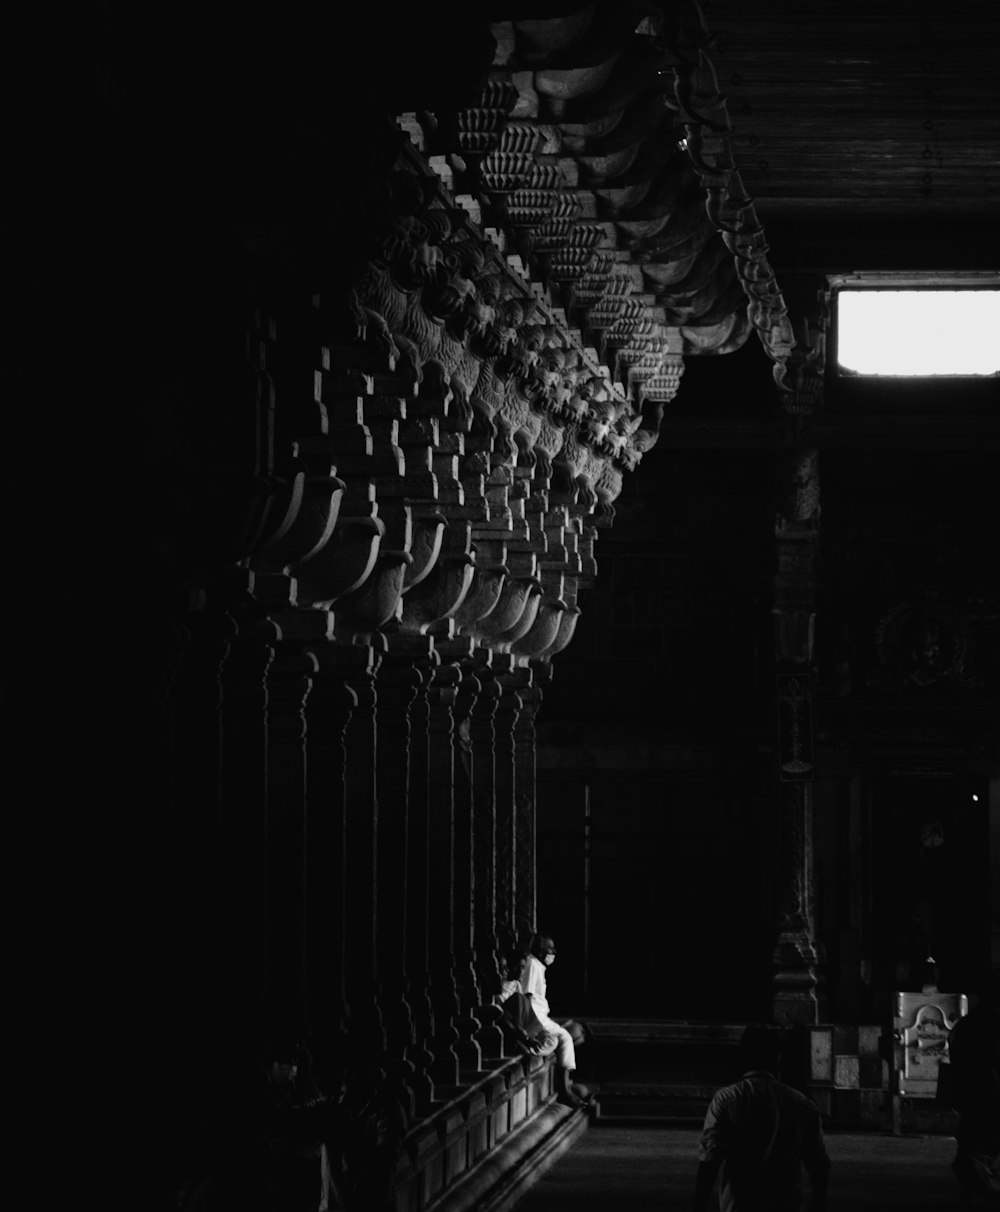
799,506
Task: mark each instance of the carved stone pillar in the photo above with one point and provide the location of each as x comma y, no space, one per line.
360,818
398,684
329,709
440,925
797,996
525,896
289,681
419,839
463,895
482,734
505,727
243,823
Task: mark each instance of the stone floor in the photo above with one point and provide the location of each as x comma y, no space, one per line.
615,1168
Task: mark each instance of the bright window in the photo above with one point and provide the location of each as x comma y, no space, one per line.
920,330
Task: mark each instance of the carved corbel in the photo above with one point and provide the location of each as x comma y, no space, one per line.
483,595
342,565
543,632
425,547
802,382
542,477
507,594
245,509
308,530
376,601
281,508
503,452
586,495
440,595
747,242
528,617
514,614
567,626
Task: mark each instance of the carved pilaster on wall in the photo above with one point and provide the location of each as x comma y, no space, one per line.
463,893
799,374
243,813
509,707
797,996
441,934
360,836
797,988
795,698
482,737
289,680
398,684
525,893
329,709
418,842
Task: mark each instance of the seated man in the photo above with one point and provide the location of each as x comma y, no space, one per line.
562,1039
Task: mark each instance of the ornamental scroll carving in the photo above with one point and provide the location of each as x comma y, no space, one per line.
923,645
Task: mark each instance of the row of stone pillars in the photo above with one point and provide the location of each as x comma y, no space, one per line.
375,839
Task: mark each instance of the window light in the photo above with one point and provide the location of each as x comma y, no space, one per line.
914,325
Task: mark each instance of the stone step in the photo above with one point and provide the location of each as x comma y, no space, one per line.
644,1052
647,1101
666,1071
661,1071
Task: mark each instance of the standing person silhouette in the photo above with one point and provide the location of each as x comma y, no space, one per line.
974,1053
757,1136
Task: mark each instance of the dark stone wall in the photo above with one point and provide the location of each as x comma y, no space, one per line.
655,776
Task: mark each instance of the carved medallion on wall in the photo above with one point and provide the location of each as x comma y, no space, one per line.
922,645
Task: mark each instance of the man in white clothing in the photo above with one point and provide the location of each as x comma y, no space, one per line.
560,1038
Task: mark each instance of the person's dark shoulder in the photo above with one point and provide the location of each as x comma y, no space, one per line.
726,1096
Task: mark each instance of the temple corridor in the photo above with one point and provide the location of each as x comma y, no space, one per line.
443,522
630,1169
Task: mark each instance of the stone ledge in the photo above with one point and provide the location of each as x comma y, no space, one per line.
641,1031
919,1116
672,1091
503,1175
485,1141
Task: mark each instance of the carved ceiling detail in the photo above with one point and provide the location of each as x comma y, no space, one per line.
600,147
539,266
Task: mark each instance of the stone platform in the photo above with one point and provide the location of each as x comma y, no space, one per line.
616,1168
646,1071
485,1143
657,1070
